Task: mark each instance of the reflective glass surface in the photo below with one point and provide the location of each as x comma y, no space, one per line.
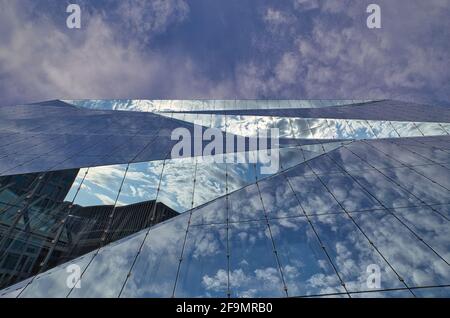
351,252
154,273
305,265
362,190
416,264
253,267
203,270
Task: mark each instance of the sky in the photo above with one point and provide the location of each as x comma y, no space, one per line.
179,49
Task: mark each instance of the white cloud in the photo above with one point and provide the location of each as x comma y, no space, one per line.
42,60
145,18
336,56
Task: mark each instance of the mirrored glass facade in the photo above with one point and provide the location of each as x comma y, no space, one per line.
92,204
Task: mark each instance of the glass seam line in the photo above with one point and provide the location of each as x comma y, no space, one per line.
392,213
146,233
76,193
187,231
280,269
394,182
101,244
322,245
408,165
360,229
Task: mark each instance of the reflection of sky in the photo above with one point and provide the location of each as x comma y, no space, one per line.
317,128
414,261
101,186
141,183
254,271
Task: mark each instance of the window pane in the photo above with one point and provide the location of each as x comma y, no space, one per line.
349,194
313,196
351,252
412,259
203,271
430,226
306,268
253,267
155,270
278,198
388,193
53,283
108,270
245,204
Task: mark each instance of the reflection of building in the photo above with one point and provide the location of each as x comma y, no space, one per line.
32,237
28,216
92,227
362,188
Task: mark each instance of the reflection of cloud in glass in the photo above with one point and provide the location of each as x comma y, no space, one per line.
101,185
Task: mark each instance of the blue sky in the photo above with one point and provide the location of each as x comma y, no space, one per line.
225,49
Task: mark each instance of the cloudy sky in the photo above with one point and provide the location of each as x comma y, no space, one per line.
225,49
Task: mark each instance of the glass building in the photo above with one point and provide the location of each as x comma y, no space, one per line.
358,207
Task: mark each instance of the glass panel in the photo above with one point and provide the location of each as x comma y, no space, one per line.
242,125
382,129
349,194
240,175
396,153
203,271
108,270
406,129
253,267
412,259
430,226
342,128
324,131
371,155
360,130
306,268
218,121
313,196
211,213
433,154
347,160
351,253
278,198
32,207
210,182
14,290
290,157
426,190
177,184
324,165
141,183
245,204
101,186
299,125
155,270
388,193
446,127
443,210
53,283
430,129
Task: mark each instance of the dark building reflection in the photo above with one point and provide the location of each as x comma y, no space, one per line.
37,232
